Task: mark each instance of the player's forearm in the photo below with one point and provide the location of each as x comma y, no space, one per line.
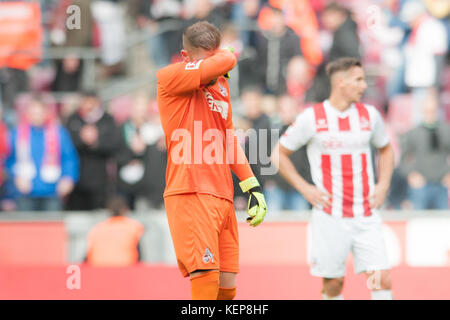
217,65
239,163
386,166
287,169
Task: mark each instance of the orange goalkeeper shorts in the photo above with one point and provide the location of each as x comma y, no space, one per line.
204,232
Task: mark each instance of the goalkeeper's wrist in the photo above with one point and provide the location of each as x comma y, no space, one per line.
250,184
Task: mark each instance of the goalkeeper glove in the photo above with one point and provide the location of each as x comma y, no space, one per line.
231,49
257,207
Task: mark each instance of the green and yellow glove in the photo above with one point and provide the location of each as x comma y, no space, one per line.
257,207
231,49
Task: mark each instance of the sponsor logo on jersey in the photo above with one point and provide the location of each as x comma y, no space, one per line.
193,65
364,122
322,124
355,141
217,106
208,256
223,91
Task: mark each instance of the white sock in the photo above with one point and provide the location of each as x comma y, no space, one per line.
382,295
325,297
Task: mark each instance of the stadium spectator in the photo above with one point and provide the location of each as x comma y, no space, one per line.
301,17
96,138
258,137
275,47
68,71
425,155
298,78
115,241
280,195
69,105
390,33
345,43
68,74
199,10
155,16
43,163
158,154
425,52
137,157
111,29
339,21
245,14
12,82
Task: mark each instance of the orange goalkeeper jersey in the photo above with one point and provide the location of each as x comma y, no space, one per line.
197,120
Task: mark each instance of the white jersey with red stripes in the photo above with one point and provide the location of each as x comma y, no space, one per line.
339,153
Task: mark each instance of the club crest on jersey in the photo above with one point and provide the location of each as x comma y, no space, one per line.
193,65
217,106
208,256
364,122
223,91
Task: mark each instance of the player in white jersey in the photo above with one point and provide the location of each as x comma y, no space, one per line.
338,134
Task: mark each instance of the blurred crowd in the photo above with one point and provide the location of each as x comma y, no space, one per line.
74,152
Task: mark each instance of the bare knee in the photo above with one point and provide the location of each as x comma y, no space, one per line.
379,280
227,279
333,287
385,280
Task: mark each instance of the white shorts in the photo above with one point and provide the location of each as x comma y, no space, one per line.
334,238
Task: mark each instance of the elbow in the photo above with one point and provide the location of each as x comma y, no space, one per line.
231,60
388,153
390,150
387,149
275,156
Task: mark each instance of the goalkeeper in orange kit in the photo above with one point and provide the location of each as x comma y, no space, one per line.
194,103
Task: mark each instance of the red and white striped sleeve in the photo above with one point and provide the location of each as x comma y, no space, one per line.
380,137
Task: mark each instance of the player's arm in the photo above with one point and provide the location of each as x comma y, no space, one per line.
386,160
257,207
217,65
385,170
280,159
296,136
235,156
184,77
